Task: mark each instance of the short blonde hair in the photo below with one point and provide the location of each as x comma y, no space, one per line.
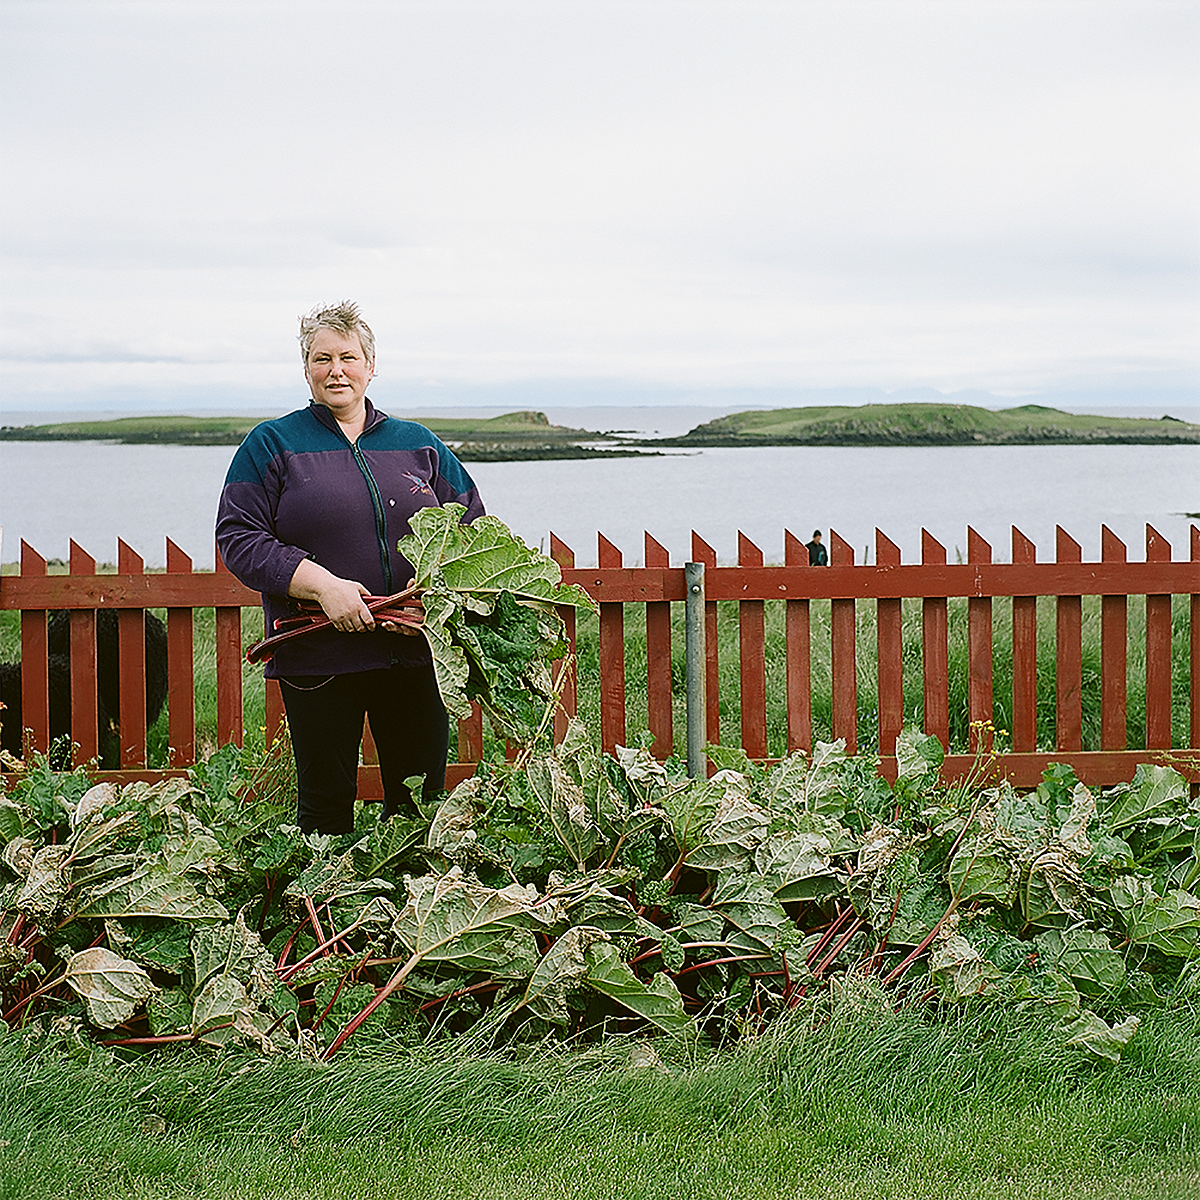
343,318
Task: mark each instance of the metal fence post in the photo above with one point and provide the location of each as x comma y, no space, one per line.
693,574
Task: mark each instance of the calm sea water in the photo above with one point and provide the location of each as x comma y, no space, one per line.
96,492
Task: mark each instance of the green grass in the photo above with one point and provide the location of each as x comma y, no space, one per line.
872,1103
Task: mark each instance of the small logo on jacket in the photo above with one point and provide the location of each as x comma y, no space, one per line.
419,485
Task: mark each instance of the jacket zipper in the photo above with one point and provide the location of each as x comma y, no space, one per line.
380,519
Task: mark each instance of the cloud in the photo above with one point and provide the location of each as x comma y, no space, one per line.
993,195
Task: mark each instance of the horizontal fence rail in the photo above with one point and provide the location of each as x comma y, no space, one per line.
853,591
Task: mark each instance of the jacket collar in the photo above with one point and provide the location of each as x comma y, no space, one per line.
374,416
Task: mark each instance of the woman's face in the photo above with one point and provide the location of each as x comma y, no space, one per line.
338,372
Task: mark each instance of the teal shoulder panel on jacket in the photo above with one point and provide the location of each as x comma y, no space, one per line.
297,433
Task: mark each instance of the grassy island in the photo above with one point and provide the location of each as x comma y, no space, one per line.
510,437
931,425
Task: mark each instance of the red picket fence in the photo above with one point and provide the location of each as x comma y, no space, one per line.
657,585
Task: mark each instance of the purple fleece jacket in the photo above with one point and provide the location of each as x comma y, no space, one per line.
298,488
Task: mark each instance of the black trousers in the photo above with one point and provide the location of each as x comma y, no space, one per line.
325,720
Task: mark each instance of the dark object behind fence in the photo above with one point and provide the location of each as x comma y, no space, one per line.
108,684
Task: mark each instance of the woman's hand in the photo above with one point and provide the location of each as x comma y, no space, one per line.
340,599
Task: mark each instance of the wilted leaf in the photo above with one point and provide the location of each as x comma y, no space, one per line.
957,967
322,877
562,802
1073,832
18,855
111,987
563,968
880,845
591,900
918,755
1098,1038
233,949
646,775
1053,892
449,661
45,885
798,865
92,803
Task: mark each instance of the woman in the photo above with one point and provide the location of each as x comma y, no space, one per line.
312,509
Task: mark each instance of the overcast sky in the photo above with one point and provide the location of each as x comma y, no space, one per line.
575,200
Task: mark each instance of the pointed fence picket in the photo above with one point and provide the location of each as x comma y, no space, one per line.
751,586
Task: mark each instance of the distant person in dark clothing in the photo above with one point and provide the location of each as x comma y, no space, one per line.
817,557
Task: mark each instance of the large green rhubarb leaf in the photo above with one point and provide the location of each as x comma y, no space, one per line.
738,828
490,616
986,868
1169,923
1155,791
1085,957
153,890
658,1001
485,556
454,920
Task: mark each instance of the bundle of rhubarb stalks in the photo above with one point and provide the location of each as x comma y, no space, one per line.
404,608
